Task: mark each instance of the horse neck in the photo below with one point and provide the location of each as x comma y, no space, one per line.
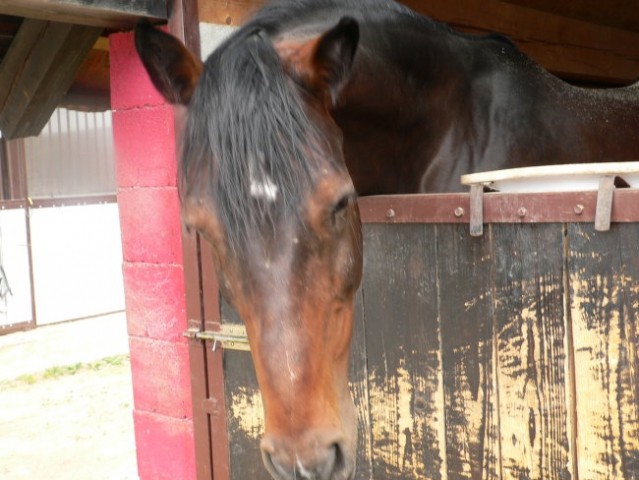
538,119
418,122
404,96
603,123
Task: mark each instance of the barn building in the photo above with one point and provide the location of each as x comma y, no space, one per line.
450,406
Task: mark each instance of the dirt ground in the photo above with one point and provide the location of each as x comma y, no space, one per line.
71,420
71,427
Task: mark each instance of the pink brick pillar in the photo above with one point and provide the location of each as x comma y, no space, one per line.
144,135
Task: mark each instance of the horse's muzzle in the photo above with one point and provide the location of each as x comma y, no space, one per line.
320,457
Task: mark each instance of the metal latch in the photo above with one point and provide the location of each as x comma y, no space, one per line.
476,210
605,195
230,336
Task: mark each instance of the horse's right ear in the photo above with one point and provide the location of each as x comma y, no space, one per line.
173,69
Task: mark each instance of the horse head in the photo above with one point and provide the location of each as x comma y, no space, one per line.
262,177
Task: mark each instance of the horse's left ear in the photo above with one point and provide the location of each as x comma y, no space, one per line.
333,56
172,68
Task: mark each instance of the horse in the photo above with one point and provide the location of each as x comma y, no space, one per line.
312,103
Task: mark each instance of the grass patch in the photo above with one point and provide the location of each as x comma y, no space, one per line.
29,378
65,371
61,371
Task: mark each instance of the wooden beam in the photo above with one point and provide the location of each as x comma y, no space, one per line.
37,71
86,100
622,14
227,13
90,90
118,14
570,48
573,49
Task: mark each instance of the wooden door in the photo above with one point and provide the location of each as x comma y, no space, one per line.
509,356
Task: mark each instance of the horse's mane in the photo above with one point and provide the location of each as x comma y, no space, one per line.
248,139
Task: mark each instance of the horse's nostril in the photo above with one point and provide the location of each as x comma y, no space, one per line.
326,464
340,461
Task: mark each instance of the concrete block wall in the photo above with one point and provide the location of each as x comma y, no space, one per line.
144,135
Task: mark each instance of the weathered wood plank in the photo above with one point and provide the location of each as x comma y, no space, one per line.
404,367
359,390
604,294
614,13
37,71
532,361
464,269
25,40
224,12
629,365
571,48
119,14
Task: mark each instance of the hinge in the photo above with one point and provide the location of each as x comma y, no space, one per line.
230,336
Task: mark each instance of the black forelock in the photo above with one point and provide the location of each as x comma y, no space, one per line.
244,114
246,121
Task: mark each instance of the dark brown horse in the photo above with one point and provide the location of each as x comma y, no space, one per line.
312,102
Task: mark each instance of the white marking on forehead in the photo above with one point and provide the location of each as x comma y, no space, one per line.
264,188
260,184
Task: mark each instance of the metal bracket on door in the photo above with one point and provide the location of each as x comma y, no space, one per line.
605,197
476,210
229,336
603,212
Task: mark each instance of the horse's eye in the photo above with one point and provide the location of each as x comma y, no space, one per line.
338,214
341,204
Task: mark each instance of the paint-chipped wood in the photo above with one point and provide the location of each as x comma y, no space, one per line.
359,390
629,365
604,282
404,366
464,267
509,356
531,359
